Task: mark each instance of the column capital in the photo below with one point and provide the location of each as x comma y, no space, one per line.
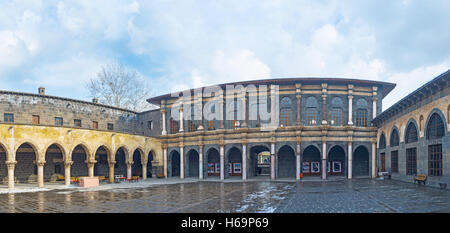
374,98
350,96
68,163
40,163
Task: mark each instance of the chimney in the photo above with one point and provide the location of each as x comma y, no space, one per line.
41,90
95,100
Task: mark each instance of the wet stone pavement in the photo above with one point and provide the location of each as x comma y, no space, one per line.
355,196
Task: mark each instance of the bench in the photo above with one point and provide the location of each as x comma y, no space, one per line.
420,178
160,175
134,179
102,178
384,175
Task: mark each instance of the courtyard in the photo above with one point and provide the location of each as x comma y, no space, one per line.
213,196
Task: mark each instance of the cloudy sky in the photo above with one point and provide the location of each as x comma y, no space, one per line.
182,44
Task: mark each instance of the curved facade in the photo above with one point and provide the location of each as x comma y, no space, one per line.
322,128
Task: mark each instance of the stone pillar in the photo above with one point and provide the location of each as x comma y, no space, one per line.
129,165
350,104
111,171
244,161
67,166
244,110
350,160
90,165
297,162
222,110
324,104
40,173
298,95
324,160
181,162
374,102
200,162
165,160
144,169
199,109
272,161
272,107
374,162
164,129
181,120
11,165
222,162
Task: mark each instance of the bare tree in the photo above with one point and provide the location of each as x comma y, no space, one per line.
118,86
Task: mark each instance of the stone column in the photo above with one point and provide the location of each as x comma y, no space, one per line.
199,110
164,130
129,165
111,171
297,162
90,165
222,162
374,161
298,96
67,166
222,110
181,120
324,104
40,171
144,169
350,160
11,165
181,162
165,160
324,160
200,162
374,102
244,161
272,161
350,104
244,110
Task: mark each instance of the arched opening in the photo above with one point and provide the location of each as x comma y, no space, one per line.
395,139
26,169
311,165
259,161
3,167
435,131
234,162
192,160
136,168
213,159
120,167
382,142
336,161
149,164
175,163
54,163
79,166
101,167
286,162
361,162
411,134
435,127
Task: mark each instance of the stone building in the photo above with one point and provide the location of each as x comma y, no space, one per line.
413,134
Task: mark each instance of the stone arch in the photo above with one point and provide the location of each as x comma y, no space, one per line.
361,161
60,147
311,160
439,117
102,156
136,167
212,161
411,131
382,141
3,158
336,160
256,166
191,164
30,143
26,168
234,158
126,151
121,158
54,161
394,138
78,155
150,157
286,162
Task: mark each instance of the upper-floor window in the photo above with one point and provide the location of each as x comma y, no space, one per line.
150,125
411,133
336,116
110,126
285,117
312,116
394,138
191,126
95,124
382,143
210,124
8,117
362,117
77,122
36,120
174,126
58,121
435,127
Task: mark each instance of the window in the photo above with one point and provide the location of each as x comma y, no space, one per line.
336,117
174,126
383,162
394,161
58,121
150,125
411,133
95,124
77,122
435,128
110,126
36,120
435,160
411,161
8,117
312,116
285,117
210,124
361,117
191,126
382,142
394,138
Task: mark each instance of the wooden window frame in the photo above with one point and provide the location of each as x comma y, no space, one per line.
411,161
435,160
394,161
